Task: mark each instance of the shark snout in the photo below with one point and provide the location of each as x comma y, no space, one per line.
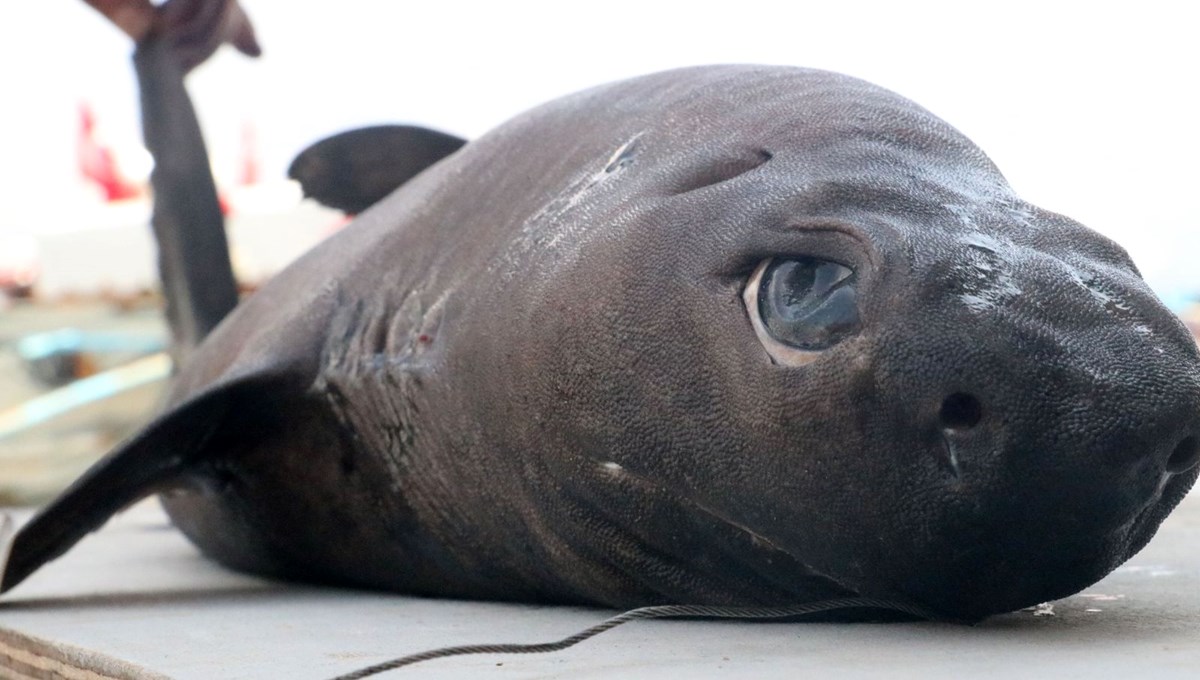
1150,444
1041,498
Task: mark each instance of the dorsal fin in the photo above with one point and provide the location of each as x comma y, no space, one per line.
153,460
353,170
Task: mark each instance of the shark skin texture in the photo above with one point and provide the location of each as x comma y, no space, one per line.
728,335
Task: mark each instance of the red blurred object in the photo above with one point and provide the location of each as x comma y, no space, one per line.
250,172
97,162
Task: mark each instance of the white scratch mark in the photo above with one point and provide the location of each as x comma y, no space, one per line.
986,271
1043,609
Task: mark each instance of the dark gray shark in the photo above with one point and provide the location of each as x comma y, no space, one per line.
732,335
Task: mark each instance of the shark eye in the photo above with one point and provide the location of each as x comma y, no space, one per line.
800,306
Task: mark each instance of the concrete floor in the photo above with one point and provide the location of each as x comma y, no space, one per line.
137,601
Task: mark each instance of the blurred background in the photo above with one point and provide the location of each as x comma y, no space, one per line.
1090,109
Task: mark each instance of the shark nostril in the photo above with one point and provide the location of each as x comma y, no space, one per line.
960,411
1185,456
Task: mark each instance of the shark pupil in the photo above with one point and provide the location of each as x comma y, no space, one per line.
808,303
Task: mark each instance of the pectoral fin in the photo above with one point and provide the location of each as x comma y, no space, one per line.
154,460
